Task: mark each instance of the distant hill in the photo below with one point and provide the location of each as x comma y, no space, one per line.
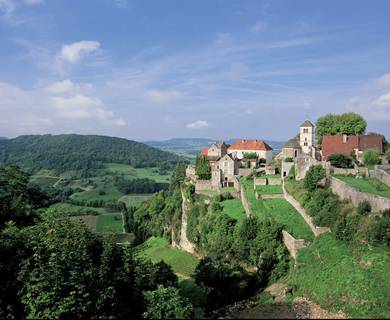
3,138
190,147
81,152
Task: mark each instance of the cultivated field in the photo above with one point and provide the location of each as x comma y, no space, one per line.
109,223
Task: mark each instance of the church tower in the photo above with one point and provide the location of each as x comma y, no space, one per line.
306,137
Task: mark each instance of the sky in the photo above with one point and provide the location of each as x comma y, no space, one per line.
153,70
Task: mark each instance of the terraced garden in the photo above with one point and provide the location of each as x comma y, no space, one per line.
276,189
369,185
278,209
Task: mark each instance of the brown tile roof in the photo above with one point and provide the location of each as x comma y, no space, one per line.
337,144
257,145
372,141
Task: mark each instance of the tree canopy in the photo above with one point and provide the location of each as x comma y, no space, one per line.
81,152
334,124
202,168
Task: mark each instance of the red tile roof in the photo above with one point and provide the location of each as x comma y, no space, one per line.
347,144
257,145
205,152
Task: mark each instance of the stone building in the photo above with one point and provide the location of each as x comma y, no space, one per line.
292,149
306,137
259,147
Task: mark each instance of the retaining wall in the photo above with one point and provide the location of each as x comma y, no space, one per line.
292,244
274,181
381,175
347,192
259,181
269,196
316,230
345,171
202,185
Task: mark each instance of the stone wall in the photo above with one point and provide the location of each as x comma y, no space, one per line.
184,243
202,185
286,168
381,175
274,181
346,192
383,166
343,171
243,172
269,196
316,230
245,203
259,181
292,244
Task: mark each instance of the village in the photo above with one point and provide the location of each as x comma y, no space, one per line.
250,171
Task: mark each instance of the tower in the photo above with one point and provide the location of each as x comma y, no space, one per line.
306,136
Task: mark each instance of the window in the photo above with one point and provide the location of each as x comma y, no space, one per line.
305,130
305,144
225,163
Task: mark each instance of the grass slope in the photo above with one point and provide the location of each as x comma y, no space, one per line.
73,210
102,193
369,185
280,210
158,249
277,189
234,209
131,172
352,279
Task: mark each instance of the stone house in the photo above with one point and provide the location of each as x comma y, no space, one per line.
304,143
259,147
224,171
292,149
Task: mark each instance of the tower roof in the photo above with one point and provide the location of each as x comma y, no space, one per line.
307,123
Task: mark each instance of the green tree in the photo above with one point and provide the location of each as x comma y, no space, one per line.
202,168
313,176
347,123
371,157
341,161
167,303
18,200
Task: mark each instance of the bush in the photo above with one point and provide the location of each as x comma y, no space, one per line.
313,177
341,161
250,155
202,168
364,208
371,157
388,154
289,159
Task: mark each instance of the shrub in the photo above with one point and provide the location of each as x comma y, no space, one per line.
364,207
313,177
388,154
341,161
262,160
202,168
250,155
289,159
371,157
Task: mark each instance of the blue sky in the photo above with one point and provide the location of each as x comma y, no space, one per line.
218,69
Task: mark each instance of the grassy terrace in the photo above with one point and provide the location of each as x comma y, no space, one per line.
234,209
280,210
369,185
111,223
71,209
158,249
339,277
277,189
270,176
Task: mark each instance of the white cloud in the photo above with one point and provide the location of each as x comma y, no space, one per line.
384,80
34,2
383,100
7,7
120,3
74,51
67,86
163,96
259,26
57,107
199,124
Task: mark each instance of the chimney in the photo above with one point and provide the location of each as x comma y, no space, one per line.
345,138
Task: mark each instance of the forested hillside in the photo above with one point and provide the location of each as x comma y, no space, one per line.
81,152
